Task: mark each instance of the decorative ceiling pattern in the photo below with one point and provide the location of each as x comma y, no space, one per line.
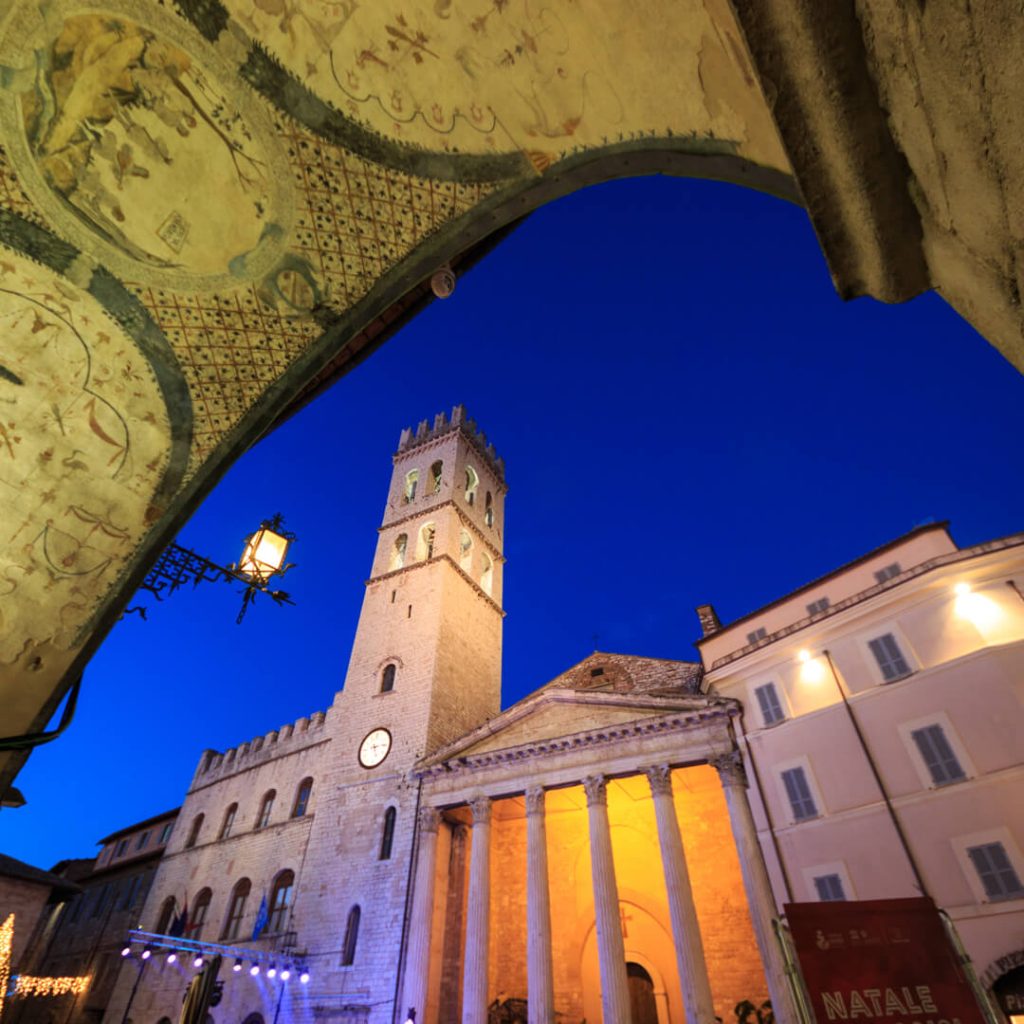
206,207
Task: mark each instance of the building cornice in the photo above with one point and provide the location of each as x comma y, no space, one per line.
914,572
682,719
434,561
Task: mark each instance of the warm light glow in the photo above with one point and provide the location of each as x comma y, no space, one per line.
25,985
6,941
980,611
264,555
811,670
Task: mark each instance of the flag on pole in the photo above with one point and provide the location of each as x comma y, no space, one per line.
179,923
261,918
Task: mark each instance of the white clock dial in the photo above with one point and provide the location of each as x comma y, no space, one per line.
374,748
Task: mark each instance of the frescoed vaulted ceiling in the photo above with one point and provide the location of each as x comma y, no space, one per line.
210,208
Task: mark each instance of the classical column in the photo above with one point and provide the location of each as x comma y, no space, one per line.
693,971
540,981
474,970
756,883
611,953
417,959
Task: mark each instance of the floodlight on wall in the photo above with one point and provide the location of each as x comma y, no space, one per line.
286,973
254,970
238,965
304,976
272,971
263,557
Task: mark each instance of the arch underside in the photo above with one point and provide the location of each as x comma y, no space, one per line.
209,211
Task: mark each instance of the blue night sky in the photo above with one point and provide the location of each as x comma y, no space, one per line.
687,412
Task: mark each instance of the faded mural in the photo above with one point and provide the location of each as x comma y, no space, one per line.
84,439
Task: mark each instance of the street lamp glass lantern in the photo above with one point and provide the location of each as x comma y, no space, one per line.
264,554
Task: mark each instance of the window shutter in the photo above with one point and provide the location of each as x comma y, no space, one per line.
889,657
995,871
938,755
799,794
768,701
829,888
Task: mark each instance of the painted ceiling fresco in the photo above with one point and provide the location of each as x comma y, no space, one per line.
203,205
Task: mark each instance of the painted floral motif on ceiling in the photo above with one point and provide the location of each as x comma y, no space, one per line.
85,440
500,75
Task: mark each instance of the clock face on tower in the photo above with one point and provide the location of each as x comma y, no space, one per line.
374,748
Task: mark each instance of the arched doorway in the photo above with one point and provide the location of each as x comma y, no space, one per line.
1009,993
642,1007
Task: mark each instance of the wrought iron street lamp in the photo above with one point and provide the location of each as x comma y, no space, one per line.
263,557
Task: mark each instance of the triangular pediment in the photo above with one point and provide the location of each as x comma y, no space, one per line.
558,713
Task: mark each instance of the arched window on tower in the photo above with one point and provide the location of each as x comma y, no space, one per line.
266,806
229,821
465,551
487,575
488,509
387,678
425,544
412,478
398,552
302,795
387,836
236,909
280,902
197,916
348,947
193,836
435,477
472,483
163,922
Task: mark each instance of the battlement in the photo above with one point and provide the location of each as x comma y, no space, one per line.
214,764
424,433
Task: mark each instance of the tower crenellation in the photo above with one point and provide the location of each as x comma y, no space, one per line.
423,434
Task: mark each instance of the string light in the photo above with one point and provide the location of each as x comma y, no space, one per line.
286,973
272,971
304,976
26,985
254,970
6,940
238,965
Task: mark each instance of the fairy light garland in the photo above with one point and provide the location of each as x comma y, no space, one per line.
26,985
6,941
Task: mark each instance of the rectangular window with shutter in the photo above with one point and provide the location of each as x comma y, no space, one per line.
887,572
799,793
995,871
829,888
889,657
768,702
938,755
758,634
818,606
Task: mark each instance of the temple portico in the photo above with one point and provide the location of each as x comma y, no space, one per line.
591,875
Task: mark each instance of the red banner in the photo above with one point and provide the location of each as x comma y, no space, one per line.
880,962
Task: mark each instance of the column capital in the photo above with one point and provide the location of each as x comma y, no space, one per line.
730,768
481,808
534,800
596,788
429,819
660,778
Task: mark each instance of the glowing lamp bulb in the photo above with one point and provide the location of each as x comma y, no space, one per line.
962,589
146,954
172,958
804,655
304,977
285,974
198,962
237,967
254,970
271,971
127,951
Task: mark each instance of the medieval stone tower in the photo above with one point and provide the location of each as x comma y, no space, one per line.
425,669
